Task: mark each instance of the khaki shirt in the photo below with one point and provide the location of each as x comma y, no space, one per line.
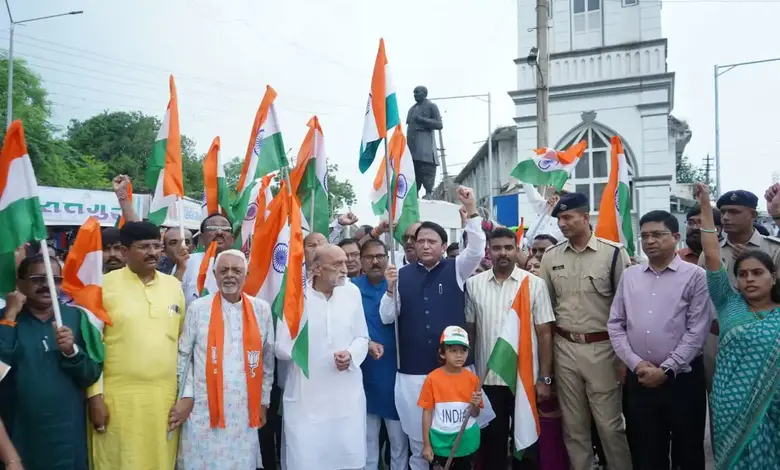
580,283
769,245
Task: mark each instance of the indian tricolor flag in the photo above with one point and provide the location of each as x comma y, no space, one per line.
265,152
402,197
514,359
270,247
549,167
82,280
294,332
20,210
206,269
217,194
381,110
615,211
309,179
257,208
163,172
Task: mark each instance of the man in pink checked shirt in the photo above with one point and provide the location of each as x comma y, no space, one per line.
658,324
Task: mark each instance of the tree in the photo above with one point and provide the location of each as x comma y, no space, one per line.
688,173
123,142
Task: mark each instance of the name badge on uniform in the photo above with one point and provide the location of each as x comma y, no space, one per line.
555,268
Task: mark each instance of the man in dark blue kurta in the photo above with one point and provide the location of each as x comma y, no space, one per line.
51,371
429,296
379,371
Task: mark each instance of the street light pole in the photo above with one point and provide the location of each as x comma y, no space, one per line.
489,139
717,73
10,104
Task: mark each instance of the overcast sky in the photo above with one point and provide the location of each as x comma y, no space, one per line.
319,56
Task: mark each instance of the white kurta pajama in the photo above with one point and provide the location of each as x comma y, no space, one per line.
236,446
324,415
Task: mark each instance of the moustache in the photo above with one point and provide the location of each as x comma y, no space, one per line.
151,258
42,290
113,260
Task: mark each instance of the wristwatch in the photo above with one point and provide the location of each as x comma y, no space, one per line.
669,372
545,380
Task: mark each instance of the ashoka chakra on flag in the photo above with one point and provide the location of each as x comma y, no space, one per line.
402,187
279,260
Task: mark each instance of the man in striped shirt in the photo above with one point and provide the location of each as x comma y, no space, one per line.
489,297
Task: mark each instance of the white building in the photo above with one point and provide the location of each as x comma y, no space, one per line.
608,76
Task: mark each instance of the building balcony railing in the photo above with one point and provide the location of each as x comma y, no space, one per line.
602,63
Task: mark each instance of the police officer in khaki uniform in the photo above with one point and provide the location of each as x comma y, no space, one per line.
582,273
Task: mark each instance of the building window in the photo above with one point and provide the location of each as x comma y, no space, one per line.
586,15
630,3
591,174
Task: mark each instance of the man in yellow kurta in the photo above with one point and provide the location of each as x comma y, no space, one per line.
130,415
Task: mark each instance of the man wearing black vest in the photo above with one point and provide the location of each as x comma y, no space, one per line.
429,296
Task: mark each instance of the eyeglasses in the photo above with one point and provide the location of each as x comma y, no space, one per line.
217,228
40,280
353,255
151,246
655,235
381,258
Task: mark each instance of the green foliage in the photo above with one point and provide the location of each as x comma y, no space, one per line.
123,141
341,193
688,173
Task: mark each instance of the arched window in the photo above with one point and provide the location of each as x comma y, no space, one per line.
591,174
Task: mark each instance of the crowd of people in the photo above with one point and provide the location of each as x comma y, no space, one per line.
396,364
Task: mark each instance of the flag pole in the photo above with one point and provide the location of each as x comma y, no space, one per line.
55,304
311,210
180,209
390,229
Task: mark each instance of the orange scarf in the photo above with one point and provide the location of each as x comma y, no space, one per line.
253,362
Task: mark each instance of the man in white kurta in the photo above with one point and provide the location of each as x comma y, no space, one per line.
236,446
325,414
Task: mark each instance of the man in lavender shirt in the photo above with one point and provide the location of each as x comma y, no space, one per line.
658,324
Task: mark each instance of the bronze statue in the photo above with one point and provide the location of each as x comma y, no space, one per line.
423,119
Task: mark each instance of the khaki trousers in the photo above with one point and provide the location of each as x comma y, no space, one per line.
587,379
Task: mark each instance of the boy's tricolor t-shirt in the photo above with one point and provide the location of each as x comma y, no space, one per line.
449,397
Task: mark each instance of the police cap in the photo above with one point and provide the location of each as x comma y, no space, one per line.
739,197
570,201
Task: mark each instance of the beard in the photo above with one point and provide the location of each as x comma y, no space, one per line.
693,241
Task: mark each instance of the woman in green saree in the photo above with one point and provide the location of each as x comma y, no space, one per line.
746,390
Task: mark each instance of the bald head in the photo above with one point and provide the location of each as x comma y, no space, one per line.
326,253
172,241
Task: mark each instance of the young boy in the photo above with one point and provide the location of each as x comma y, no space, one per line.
449,395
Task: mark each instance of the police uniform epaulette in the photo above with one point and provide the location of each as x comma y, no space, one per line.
610,242
560,243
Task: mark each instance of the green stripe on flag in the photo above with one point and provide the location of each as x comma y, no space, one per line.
156,163
503,361
158,217
528,171
93,339
367,154
300,350
277,308
391,111
20,222
272,155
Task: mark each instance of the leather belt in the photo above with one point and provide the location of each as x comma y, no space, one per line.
582,338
